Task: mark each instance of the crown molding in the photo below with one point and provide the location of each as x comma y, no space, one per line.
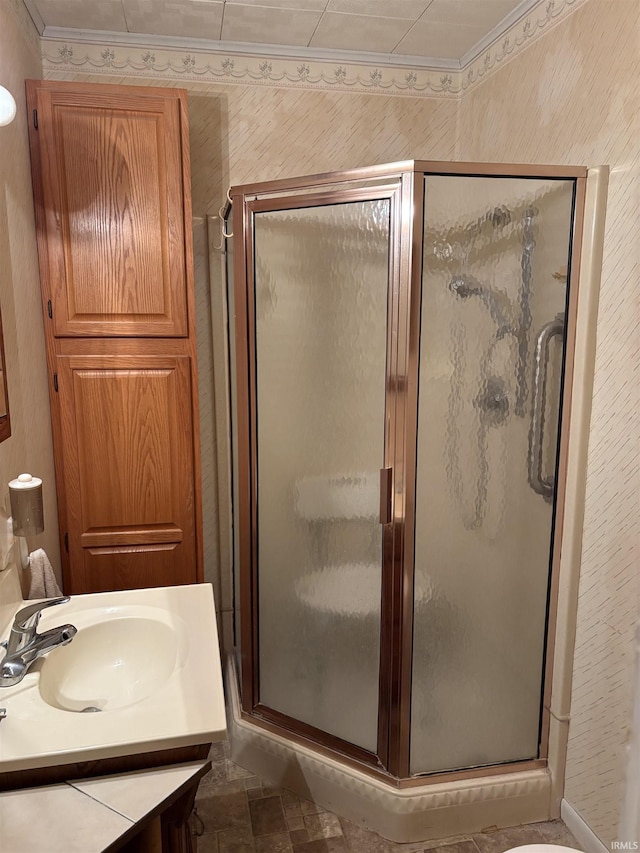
262,51
34,14
540,19
25,24
512,20
198,61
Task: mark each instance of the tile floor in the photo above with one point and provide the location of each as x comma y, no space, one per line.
236,813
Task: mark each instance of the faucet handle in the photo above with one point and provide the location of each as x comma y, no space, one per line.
27,619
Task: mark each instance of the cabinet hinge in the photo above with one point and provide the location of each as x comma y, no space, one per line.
66,542
50,309
35,119
55,381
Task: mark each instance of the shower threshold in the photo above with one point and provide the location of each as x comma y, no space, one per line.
424,812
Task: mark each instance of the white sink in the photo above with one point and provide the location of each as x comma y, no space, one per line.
115,660
147,660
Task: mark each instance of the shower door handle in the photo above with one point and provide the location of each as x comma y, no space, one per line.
386,491
539,483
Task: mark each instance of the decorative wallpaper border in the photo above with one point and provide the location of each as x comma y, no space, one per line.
210,66
540,19
207,67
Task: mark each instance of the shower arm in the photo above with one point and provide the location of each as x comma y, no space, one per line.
465,285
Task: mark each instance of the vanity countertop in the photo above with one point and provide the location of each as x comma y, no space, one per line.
125,639
89,815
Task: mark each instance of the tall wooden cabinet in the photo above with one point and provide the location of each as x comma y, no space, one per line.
111,184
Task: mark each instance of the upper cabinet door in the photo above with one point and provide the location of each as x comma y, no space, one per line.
111,169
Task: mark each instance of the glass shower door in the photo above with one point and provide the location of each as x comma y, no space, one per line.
399,360
318,297
494,290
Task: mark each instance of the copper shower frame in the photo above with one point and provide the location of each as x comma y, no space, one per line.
403,184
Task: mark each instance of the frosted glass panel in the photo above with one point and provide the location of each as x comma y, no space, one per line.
494,284
321,277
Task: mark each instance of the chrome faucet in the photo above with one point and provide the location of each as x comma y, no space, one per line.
25,645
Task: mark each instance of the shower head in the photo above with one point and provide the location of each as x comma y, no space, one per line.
500,216
464,286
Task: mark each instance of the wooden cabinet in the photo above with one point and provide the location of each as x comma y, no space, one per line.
113,214
127,448
112,198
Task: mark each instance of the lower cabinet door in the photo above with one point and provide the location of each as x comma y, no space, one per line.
128,470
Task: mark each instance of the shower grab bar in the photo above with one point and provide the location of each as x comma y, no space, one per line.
386,490
541,485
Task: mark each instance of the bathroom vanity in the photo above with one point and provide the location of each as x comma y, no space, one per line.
140,685
122,776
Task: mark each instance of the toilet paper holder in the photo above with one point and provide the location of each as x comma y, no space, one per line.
27,513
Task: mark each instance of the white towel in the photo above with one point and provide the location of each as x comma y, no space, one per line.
43,579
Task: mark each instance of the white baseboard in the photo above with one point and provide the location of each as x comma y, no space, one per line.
583,834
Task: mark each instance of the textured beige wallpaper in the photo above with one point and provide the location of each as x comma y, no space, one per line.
246,134
242,134
29,448
573,97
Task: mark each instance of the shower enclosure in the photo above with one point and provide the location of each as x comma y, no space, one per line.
400,351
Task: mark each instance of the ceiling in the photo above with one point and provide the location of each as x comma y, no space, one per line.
419,32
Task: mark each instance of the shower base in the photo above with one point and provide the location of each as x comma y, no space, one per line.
433,810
